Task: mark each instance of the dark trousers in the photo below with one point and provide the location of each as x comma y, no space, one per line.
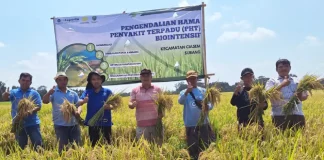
67,135
34,134
289,122
245,122
198,139
94,133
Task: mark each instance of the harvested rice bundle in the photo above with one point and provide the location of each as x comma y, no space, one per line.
68,109
25,108
212,96
306,84
164,102
114,100
258,95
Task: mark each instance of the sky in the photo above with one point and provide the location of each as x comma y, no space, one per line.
239,34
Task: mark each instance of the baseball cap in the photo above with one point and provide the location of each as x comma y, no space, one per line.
246,71
192,73
60,74
145,71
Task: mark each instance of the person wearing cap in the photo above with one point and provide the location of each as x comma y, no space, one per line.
241,100
97,96
198,137
143,99
287,85
66,132
31,123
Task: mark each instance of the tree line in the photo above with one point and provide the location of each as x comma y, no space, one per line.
224,86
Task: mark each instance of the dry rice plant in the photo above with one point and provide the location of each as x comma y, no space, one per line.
212,96
307,84
164,102
258,95
25,106
68,109
115,100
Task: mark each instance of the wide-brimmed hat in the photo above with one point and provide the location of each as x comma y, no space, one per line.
191,73
95,73
60,74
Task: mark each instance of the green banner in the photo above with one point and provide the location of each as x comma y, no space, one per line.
167,41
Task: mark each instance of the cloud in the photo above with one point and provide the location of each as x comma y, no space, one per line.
2,44
259,34
41,65
243,24
311,41
215,16
183,3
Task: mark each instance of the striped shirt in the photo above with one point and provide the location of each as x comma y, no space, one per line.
287,92
146,109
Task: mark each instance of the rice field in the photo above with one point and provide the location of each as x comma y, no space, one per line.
303,145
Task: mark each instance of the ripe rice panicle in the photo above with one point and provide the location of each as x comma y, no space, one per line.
212,96
25,106
258,95
307,84
115,100
68,109
163,102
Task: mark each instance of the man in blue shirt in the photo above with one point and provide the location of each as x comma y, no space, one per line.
192,98
66,132
97,96
31,123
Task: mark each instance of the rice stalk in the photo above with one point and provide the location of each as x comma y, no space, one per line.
258,95
68,110
25,107
212,96
98,116
163,102
307,84
115,100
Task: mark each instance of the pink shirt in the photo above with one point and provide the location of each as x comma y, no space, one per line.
146,109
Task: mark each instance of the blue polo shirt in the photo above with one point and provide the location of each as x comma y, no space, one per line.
191,112
16,95
57,99
97,101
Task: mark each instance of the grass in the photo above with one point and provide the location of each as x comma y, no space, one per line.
307,144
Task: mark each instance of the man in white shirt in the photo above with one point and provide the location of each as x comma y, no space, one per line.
288,87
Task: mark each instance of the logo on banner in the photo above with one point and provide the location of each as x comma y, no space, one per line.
94,18
84,19
68,20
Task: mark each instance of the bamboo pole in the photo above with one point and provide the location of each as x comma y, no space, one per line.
203,5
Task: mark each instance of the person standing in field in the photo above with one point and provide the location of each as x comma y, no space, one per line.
241,100
31,124
288,86
97,96
66,132
198,137
143,99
